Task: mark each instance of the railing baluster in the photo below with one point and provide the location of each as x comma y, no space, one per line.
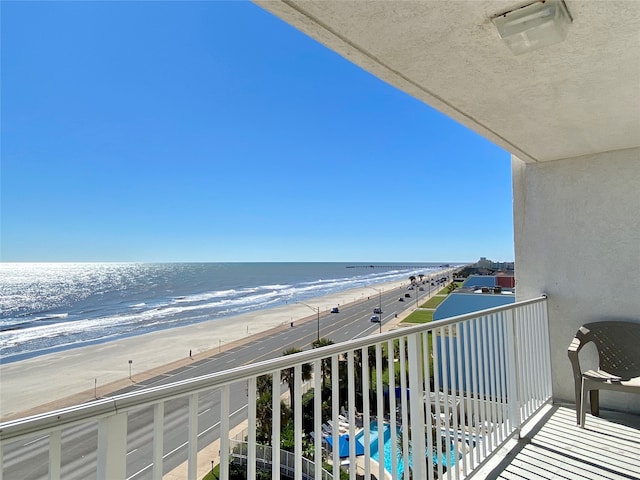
351,402
446,380
482,418
475,368
416,403
513,399
435,342
535,348
469,370
317,418
392,409
335,403
275,425
192,447
460,391
365,407
112,447
55,441
546,351
526,345
251,438
406,432
493,391
486,392
379,412
502,400
224,432
427,399
297,422
158,440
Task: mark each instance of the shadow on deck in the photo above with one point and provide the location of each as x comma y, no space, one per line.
555,447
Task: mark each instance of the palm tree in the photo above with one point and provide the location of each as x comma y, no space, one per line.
325,365
287,375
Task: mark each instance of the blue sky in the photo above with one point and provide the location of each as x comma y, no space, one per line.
213,131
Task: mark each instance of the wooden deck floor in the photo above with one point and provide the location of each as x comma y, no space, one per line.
556,448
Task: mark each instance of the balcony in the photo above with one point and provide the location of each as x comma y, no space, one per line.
473,392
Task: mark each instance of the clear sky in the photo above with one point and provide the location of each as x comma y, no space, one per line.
213,131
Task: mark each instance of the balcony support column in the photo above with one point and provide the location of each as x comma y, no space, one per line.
416,402
112,447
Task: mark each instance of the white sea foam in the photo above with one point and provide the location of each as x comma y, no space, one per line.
49,306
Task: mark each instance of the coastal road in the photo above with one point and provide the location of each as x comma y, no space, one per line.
30,459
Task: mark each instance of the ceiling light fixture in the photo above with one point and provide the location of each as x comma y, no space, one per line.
533,26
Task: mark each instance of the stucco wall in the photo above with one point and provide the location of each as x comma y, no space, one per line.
577,238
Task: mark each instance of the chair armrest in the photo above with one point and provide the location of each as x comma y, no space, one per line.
574,349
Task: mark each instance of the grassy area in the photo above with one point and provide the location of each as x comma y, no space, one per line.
419,316
426,316
433,302
213,476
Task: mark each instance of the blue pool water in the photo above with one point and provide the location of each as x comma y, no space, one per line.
388,464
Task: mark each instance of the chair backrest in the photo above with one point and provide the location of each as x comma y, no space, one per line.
618,345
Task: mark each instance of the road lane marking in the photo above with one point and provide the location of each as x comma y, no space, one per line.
36,440
184,444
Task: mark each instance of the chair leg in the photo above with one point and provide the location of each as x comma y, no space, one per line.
578,392
594,399
583,404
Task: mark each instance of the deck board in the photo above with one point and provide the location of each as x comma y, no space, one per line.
608,448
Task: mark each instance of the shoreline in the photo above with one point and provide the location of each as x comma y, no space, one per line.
61,379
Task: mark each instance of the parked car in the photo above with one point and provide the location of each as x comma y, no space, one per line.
407,295
335,310
377,310
410,287
375,319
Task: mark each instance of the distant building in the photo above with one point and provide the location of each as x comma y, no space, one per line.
484,266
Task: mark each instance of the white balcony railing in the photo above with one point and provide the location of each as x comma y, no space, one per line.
455,389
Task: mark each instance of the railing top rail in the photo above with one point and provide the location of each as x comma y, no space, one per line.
65,417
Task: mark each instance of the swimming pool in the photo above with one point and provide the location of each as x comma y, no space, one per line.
444,459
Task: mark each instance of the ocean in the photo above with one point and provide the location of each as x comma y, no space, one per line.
49,307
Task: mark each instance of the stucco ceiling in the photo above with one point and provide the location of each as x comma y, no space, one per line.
575,98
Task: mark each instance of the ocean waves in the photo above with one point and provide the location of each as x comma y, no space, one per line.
52,307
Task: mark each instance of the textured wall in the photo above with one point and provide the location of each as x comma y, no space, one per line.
577,238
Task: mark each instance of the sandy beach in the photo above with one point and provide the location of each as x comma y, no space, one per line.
74,376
